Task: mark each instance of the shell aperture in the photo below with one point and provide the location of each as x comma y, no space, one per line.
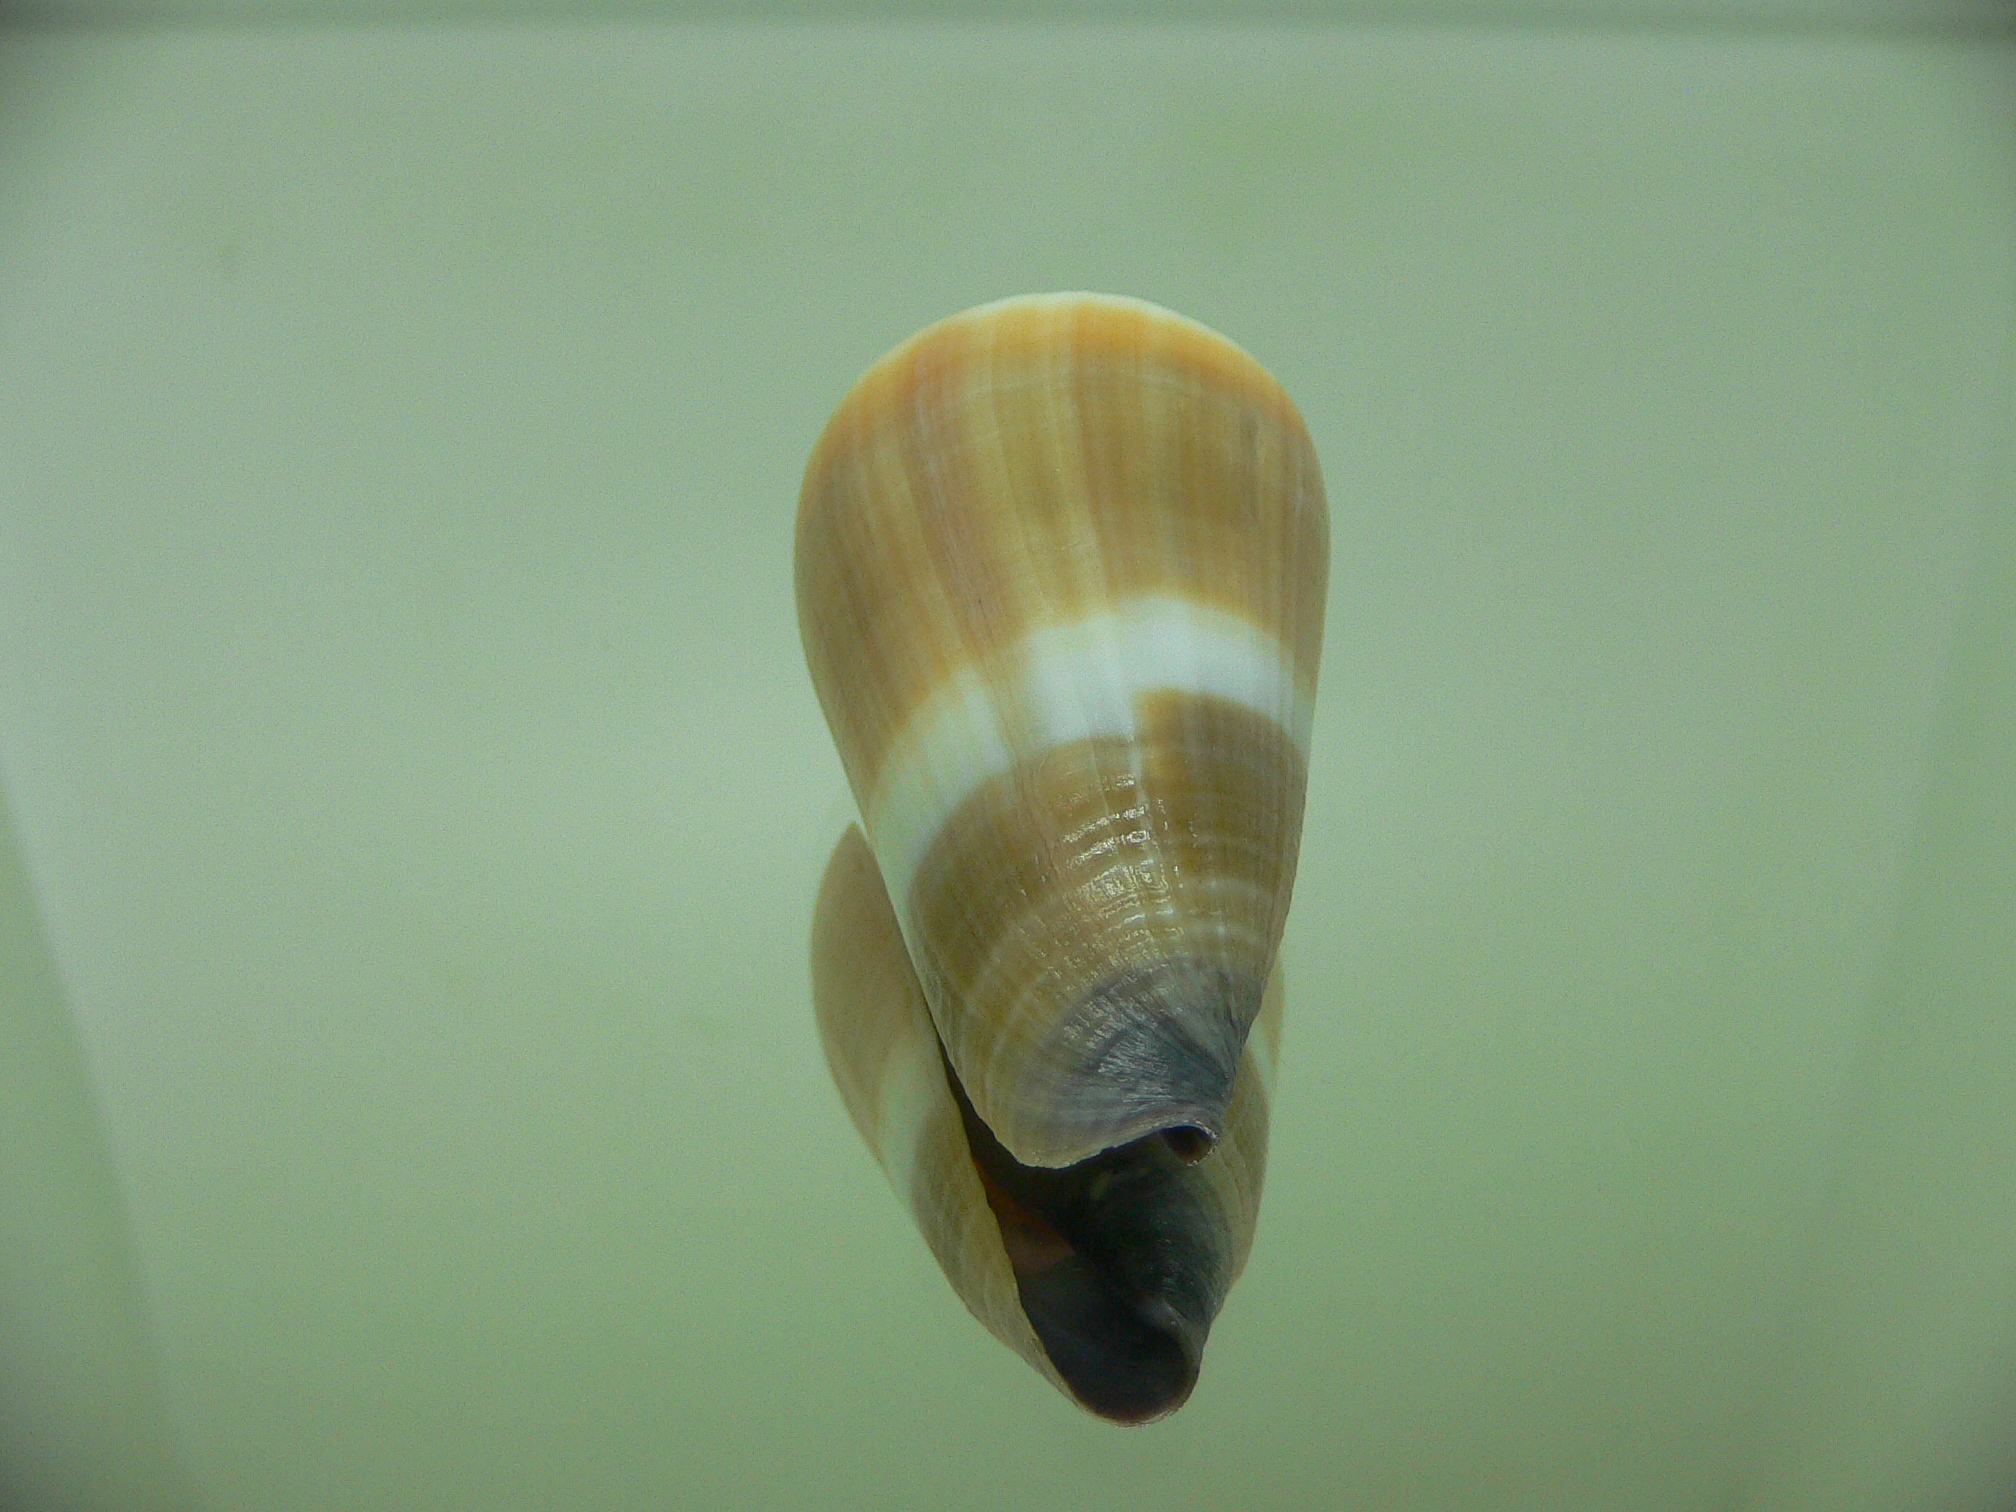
1061,567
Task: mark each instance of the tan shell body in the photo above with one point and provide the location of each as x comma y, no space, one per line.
1061,570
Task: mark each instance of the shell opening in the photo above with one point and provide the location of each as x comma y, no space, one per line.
1121,1262
1188,1143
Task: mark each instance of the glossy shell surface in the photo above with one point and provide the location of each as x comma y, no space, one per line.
1061,571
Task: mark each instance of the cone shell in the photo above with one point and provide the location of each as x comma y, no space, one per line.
1061,569
1105,1278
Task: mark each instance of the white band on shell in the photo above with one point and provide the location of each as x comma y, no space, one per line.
1074,681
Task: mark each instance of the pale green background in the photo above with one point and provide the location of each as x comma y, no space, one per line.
407,1081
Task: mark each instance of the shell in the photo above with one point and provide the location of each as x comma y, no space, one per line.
1105,1277
1061,570
1061,565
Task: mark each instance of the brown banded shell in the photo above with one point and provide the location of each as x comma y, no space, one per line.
1105,1276
1061,567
